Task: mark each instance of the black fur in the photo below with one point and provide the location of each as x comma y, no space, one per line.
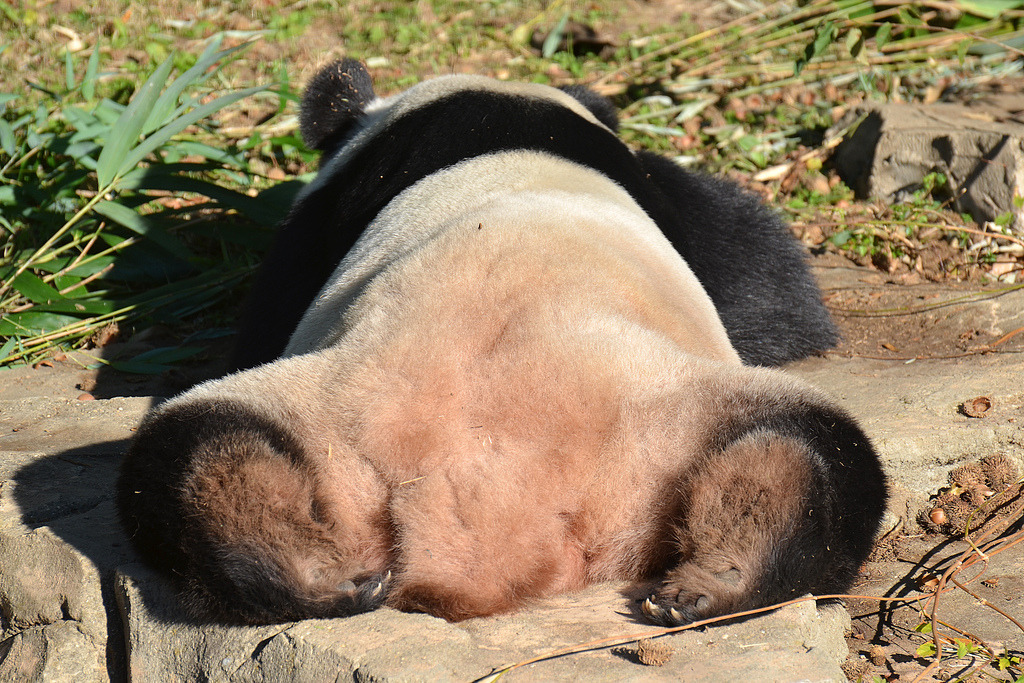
160,460
598,105
752,269
749,264
235,587
844,507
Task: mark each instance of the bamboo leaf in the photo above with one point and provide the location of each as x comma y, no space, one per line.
82,153
84,306
126,131
989,9
69,70
882,35
10,345
29,323
122,215
91,69
34,289
168,101
7,141
210,153
550,46
823,37
855,43
91,267
961,51
155,361
153,179
160,137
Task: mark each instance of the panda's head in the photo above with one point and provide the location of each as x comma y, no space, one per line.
339,102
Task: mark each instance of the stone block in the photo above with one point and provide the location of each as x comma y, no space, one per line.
979,148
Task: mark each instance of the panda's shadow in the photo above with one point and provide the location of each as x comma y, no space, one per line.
72,494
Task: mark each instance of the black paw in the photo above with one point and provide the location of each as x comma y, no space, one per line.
680,602
673,615
369,594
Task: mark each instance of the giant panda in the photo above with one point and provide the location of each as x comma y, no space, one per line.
496,355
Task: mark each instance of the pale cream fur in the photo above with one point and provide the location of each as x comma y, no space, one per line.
536,214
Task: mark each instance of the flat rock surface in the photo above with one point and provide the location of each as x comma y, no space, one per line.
73,599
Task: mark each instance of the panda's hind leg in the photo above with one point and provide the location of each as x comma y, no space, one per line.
245,519
759,523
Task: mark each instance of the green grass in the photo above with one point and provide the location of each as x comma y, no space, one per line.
147,155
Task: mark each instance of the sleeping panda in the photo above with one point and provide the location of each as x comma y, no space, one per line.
495,355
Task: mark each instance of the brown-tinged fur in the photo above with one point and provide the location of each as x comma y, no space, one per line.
509,389
735,518
486,470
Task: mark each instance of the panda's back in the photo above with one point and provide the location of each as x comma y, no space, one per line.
517,246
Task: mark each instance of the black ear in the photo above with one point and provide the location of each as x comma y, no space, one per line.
334,99
602,109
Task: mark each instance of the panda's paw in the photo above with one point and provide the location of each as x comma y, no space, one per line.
661,614
691,594
369,594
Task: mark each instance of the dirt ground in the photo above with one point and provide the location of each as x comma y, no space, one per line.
909,317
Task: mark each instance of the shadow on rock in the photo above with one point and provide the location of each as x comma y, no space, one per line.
60,551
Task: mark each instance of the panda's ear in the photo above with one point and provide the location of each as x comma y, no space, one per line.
602,109
334,99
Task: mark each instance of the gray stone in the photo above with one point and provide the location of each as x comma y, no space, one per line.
793,643
41,580
56,653
979,148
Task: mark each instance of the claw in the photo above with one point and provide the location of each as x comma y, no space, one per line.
660,615
655,612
